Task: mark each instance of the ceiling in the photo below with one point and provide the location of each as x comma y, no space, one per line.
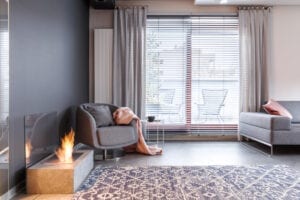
247,2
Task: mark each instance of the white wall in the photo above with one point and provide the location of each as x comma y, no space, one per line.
285,70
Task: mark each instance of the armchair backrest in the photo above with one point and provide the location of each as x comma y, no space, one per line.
112,108
86,125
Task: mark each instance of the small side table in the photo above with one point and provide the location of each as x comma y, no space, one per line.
159,138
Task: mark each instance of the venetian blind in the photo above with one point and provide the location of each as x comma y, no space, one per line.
192,70
4,71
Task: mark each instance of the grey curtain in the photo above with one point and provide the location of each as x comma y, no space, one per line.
129,57
254,23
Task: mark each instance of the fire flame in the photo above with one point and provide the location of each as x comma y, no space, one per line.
65,151
28,148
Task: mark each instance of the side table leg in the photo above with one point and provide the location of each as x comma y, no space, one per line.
157,134
163,136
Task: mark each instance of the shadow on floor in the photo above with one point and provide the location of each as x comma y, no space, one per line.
278,149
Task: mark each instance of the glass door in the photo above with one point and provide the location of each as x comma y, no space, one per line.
192,73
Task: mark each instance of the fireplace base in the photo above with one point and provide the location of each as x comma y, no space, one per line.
51,177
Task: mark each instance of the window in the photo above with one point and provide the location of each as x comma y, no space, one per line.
192,71
4,70
4,87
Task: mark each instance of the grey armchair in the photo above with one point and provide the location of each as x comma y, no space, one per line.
103,137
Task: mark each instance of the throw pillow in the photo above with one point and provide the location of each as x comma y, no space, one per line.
274,108
101,114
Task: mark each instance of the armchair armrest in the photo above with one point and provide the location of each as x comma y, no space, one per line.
266,121
133,123
86,128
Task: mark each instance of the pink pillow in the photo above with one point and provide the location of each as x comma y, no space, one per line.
274,108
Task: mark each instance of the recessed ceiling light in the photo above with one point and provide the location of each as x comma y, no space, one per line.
223,1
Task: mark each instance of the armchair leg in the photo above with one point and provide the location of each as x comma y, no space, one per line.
272,150
104,154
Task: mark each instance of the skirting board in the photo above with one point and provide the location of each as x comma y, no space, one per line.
199,137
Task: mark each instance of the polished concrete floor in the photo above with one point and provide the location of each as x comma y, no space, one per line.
200,153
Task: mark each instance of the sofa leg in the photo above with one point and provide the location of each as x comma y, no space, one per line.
240,138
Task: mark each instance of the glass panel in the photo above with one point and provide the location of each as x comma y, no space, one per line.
4,98
166,69
215,70
41,136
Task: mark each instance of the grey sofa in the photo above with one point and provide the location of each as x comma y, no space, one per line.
104,137
272,129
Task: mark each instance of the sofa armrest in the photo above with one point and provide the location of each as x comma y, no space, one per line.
266,121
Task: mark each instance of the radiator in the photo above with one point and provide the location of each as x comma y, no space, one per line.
103,52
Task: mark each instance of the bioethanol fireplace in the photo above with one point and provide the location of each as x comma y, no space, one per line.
48,162
51,176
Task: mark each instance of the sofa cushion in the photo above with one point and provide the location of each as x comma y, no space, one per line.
275,108
101,114
116,135
291,137
294,108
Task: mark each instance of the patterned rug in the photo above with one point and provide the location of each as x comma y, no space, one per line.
191,183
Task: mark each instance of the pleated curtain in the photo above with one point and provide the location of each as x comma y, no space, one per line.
254,25
129,57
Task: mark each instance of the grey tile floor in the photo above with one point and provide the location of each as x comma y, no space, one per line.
211,153
200,153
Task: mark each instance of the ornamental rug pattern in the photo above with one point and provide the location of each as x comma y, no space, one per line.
191,183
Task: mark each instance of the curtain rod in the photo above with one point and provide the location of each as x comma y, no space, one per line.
254,7
133,6
233,14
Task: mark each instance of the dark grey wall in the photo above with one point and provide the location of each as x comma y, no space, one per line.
48,65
